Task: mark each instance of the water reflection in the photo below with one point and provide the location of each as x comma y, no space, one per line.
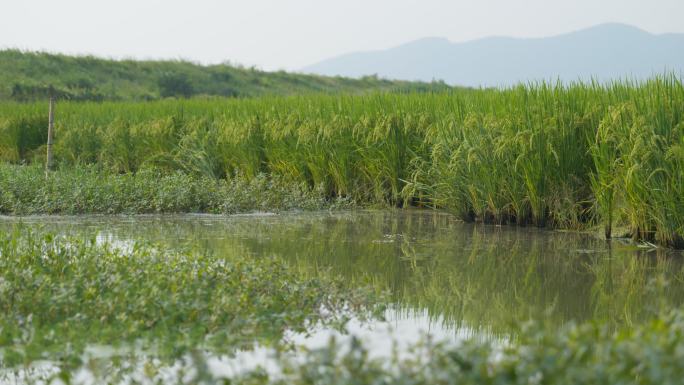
467,277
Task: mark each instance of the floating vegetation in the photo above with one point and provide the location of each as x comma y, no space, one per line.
59,296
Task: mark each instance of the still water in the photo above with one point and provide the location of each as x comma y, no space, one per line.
446,279
440,273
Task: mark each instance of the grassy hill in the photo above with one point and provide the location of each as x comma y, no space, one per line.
26,76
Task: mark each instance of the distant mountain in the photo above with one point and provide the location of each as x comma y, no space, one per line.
604,52
27,76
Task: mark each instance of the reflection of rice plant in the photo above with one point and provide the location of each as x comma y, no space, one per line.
480,277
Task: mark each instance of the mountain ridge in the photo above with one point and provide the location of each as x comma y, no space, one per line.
602,52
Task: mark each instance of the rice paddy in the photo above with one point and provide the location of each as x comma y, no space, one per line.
563,156
605,159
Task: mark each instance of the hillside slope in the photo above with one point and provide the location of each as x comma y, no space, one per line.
27,76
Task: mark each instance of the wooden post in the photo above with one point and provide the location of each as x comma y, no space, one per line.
51,127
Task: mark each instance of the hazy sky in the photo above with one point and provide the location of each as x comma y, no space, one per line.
289,34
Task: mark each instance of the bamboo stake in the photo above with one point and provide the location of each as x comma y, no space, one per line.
51,124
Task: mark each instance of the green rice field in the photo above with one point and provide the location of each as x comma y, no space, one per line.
562,156
526,235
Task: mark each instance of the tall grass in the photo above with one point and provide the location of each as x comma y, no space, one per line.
556,155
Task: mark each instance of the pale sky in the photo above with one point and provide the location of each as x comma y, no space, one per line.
290,34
